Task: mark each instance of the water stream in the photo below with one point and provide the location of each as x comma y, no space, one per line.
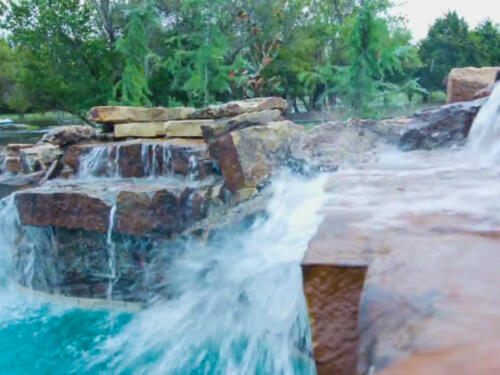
238,307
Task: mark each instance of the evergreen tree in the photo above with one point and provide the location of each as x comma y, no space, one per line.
132,89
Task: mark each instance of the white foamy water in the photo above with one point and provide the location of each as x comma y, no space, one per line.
238,306
484,138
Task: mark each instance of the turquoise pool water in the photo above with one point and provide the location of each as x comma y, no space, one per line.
238,309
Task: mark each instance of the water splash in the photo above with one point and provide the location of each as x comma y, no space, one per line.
193,170
238,307
484,137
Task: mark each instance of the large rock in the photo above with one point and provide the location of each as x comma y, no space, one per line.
432,272
444,126
240,122
464,83
248,157
146,208
67,135
141,158
331,145
140,130
121,114
187,128
236,108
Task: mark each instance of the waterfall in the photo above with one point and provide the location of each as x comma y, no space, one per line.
111,253
193,172
238,305
484,137
100,162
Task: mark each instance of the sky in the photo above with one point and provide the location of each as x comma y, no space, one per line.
421,14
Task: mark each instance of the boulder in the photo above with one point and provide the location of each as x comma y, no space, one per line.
39,157
140,130
14,148
187,128
67,135
141,158
236,108
439,127
140,208
122,114
464,83
331,145
245,120
249,156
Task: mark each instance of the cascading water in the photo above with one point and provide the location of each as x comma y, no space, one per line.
237,306
100,161
484,137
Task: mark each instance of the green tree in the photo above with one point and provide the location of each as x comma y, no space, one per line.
487,38
66,64
448,45
132,89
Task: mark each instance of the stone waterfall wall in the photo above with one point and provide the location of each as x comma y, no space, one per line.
101,212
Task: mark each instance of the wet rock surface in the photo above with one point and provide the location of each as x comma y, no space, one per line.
141,158
140,208
431,255
440,127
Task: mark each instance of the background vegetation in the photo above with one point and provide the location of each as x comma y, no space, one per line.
347,56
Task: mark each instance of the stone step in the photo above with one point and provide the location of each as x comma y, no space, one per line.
152,207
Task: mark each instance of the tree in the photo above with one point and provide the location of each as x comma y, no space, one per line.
448,45
132,89
487,38
66,65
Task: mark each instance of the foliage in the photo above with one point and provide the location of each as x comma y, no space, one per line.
132,89
449,44
340,55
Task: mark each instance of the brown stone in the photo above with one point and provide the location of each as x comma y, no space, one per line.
141,158
236,108
333,293
240,122
67,135
146,208
121,114
464,83
248,157
432,274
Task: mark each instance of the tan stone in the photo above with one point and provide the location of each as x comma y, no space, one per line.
122,114
187,128
464,83
39,157
248,157
242,106
140,130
